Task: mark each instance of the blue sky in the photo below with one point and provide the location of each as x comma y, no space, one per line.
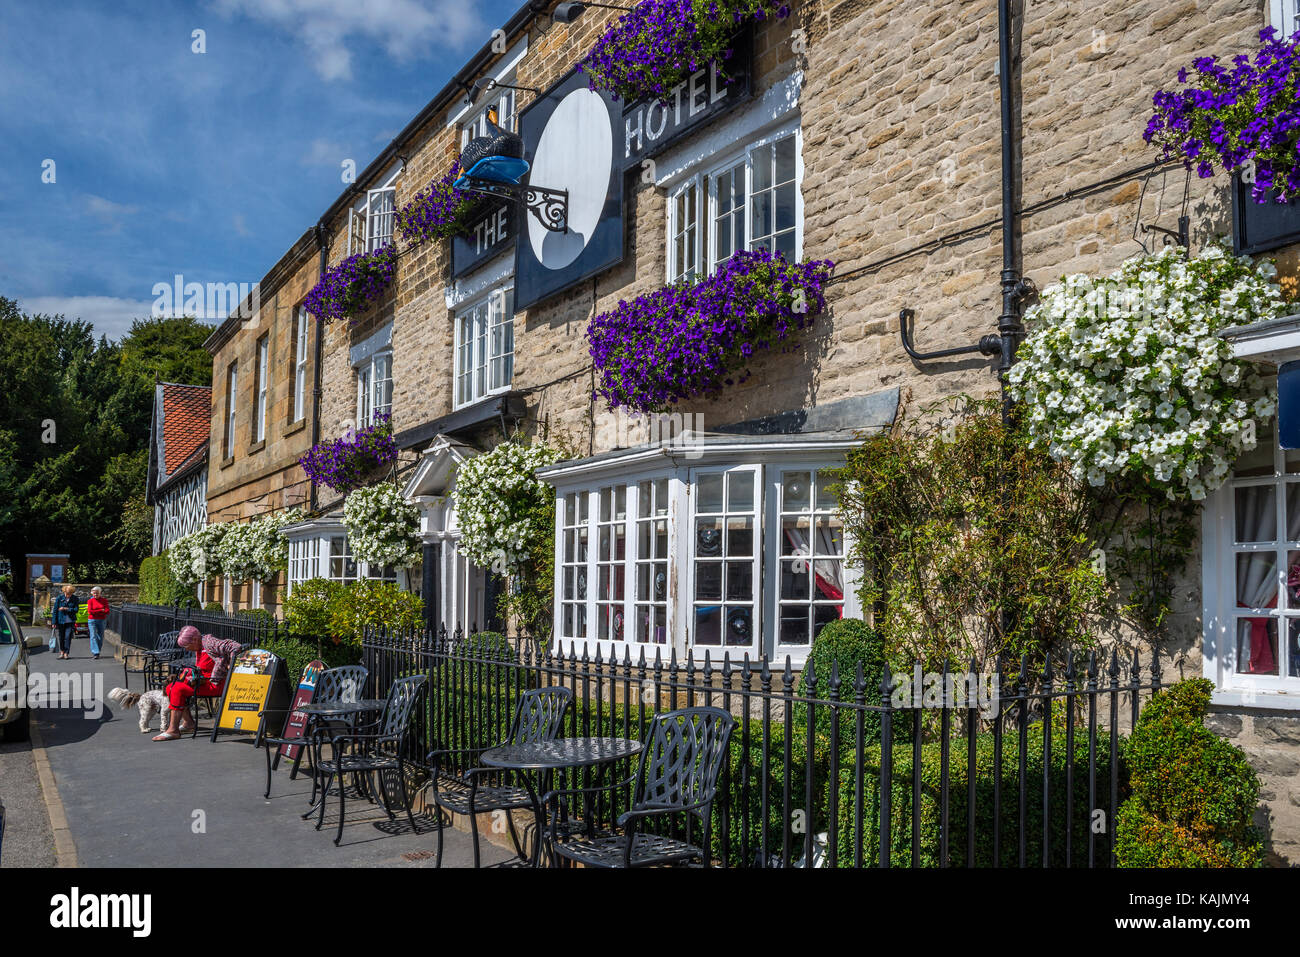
206,164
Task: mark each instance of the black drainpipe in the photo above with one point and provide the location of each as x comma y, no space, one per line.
1010,329
1014,288
317,391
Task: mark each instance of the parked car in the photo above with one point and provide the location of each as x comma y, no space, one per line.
15,723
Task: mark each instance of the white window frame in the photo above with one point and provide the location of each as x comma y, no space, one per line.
301,326
263,368
1285,15
310,556
484,364
704,180
372,219
1222,615
506,103
767,469
374,378
232,383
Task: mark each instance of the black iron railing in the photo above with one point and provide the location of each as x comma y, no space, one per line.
1028,775
140,625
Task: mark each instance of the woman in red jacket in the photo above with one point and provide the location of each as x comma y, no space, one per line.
96,615
213,665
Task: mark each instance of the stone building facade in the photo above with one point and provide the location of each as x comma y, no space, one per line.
263,410
885,116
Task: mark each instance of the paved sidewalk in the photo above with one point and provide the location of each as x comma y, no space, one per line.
131,802
28,840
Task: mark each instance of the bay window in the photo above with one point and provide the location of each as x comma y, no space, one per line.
320,550
739,552
1252,545
748,199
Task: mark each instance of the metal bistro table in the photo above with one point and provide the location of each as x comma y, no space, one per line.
546,757
318,711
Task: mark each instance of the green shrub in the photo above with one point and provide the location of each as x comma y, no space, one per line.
373,604
1193,794
214,606
265,620
847,642
158,586
309,608
900,831
297,653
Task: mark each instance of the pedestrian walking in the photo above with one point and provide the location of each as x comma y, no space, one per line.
96,615
64,614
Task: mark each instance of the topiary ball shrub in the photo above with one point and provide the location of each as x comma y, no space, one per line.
846,642
214,606
1193,794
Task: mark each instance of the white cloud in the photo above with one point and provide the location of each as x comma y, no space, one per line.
241,226
323,152
110,315
109,213
406,29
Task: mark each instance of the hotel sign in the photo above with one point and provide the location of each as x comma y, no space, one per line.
651,126
490,232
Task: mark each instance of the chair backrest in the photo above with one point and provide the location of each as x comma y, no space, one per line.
539,715
683,758
401,699
346,683
167,641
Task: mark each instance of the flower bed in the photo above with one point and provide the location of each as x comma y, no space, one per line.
660,43
345,463
438,211
348,288
1125,375
1237,116
682,341
383,528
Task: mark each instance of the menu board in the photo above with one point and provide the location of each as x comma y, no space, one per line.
248,689
296,723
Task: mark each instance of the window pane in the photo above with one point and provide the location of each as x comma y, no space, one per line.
708,537
785,159
709,492
1293,647
708,581
825,500
740,537
740,491
794,626
795,491
1256,514
1256,580
760,222
762,168
785,207
1257,646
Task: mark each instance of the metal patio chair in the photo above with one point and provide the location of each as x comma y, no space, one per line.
345,683
377,746
149,659
678,775
539,716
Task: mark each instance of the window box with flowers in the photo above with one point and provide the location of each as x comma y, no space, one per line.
346,462
1244,119
350,287
658,44
687,340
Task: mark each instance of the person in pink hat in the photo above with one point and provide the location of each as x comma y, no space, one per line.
208,677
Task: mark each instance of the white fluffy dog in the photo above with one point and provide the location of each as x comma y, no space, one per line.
149,704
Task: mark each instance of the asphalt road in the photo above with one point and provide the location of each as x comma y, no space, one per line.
131,802
28,840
